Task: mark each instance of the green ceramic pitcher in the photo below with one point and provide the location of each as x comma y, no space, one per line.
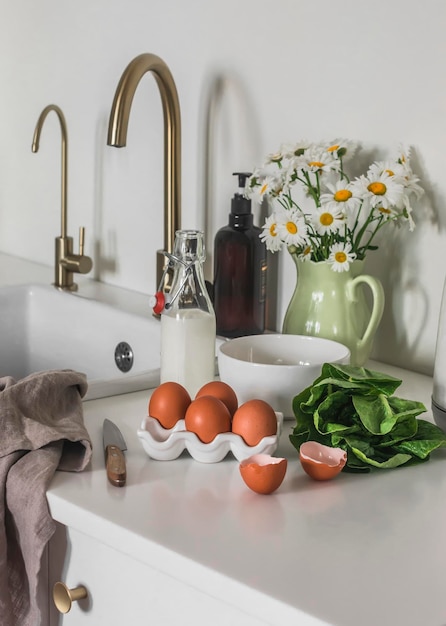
333,305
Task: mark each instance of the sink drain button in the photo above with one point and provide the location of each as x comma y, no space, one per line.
124,356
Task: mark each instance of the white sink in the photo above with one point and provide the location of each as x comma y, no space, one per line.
42,328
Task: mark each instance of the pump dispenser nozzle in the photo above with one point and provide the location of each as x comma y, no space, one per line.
242,178
241,205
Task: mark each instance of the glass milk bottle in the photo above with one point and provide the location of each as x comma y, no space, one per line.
188,320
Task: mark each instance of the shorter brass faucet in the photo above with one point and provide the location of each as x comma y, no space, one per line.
67,263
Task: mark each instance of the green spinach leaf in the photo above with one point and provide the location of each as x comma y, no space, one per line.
354,408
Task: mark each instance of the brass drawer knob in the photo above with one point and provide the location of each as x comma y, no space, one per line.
64,597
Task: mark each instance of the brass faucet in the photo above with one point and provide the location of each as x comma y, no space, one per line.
117,136
67,263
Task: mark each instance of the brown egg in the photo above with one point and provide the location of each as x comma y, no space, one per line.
254,420
263,473
168,403
321,462
207,417
222,391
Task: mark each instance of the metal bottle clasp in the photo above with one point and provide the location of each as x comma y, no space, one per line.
160,294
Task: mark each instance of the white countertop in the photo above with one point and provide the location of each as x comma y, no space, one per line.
361,550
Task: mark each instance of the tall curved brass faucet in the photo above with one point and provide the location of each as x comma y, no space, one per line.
67,263
117,136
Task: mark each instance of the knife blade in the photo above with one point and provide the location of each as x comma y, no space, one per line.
114,446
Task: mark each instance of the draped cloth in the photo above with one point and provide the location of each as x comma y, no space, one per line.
41,430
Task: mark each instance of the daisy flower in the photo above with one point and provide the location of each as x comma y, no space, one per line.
270,235
291,173
342,148
328,219
402,174
260,185
341,196
410,180
340,257
318,160
403,155
410,184
293,150
275,157
316,205
380,190
391,168
305,255
291,228
388,213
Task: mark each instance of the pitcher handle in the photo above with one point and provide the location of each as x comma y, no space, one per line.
377,309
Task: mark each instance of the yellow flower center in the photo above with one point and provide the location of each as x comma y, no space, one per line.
307,251
378,189
385,211
390,172
340,257
342,195
291,228
316,164
326,219
263,188
333,148
272,230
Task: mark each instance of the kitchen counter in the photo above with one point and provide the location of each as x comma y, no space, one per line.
360,550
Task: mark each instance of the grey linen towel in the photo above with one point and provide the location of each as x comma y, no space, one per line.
41,430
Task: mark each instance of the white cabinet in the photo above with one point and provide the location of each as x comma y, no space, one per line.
122,590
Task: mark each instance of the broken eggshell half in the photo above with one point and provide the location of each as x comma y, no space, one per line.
263,473
321,462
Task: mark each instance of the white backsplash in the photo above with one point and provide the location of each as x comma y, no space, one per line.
269,73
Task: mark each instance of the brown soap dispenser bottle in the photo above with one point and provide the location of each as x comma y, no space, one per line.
239,271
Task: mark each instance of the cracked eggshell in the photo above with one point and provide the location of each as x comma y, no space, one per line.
263,473
321,462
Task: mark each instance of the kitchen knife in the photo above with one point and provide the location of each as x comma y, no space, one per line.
114,445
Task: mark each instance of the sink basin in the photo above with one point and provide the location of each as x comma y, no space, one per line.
42,328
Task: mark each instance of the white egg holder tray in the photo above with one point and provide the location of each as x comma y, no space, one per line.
165,444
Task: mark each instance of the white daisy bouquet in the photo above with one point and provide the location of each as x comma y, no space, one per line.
320,214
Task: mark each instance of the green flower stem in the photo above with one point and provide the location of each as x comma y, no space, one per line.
314,192
357,217
380,224
342,172
283,203
362,249
287,203
363,229
318,181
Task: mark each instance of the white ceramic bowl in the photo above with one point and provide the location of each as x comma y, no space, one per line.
275,368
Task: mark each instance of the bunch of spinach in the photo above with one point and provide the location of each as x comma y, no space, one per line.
353,408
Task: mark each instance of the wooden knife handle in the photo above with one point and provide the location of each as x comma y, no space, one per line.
115,466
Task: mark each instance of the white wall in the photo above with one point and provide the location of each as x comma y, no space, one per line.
274,72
